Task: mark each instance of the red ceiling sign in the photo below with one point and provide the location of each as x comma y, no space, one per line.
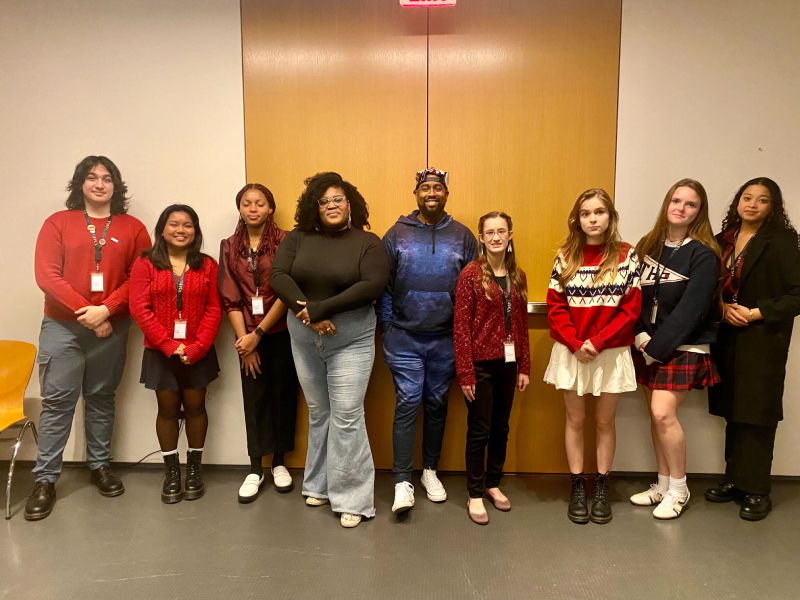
427,2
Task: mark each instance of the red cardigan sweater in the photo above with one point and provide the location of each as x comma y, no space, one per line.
65,259
479,324
153,306
601,312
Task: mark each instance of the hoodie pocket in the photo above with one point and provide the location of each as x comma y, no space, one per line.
427,311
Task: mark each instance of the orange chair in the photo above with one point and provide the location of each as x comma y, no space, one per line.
16,366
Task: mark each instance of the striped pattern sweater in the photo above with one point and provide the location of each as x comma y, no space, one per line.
602,312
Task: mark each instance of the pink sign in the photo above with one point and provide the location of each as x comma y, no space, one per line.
427,2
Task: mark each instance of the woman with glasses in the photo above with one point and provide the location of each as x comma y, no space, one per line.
490,336
328,271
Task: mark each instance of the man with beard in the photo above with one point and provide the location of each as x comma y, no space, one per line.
427,250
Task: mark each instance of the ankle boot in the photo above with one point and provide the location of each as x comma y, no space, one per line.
193,487
171,490
41,502
578,512
601,509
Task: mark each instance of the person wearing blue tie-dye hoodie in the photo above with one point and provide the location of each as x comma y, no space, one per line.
427,250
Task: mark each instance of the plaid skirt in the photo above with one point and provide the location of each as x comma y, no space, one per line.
684,371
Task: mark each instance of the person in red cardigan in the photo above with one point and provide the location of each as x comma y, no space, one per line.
490,337
83,260
175,302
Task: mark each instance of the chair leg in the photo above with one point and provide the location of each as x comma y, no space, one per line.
25,426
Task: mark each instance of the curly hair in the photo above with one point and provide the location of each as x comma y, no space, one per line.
307,214
777,220
119,199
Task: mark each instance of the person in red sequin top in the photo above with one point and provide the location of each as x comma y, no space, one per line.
175,302
490,338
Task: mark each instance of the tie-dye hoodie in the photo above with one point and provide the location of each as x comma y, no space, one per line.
424,264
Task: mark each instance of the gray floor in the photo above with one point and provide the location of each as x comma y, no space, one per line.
136,547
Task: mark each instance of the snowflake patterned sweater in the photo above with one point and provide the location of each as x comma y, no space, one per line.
602,312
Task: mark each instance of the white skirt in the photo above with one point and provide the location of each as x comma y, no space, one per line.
612,372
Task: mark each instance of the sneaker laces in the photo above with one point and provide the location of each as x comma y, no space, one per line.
407,490
432,481
672,498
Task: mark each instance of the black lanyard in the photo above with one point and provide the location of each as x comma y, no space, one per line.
506,298
735,262
179,290
98,245
254,268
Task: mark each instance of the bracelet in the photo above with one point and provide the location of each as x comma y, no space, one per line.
751,314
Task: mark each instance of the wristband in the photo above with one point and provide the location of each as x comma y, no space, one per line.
258,331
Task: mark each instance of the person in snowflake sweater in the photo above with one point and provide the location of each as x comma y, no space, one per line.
175,302
490,337
680,266
593,302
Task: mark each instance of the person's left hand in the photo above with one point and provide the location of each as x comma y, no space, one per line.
324,327
247,343
303,314
103,330
522,382
91,316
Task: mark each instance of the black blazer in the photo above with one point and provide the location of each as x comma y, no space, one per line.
752,360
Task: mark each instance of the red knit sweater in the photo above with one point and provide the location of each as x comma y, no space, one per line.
154,308
65,260
479,324
601,312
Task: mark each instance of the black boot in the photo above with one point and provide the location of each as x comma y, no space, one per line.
193,487
41,502
171,491
577,511
109,484
601,509
755,508
724,492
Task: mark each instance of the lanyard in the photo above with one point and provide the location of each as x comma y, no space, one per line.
660,271
254,267
506,301
98,246
735,262
179,290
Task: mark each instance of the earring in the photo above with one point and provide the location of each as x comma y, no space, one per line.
350,220
509,248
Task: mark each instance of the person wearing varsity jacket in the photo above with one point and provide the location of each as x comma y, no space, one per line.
593,302
680,263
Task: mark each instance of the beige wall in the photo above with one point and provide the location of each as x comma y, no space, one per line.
708,90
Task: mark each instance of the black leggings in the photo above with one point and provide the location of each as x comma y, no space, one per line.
169,409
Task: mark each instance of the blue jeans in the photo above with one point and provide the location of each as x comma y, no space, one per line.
73,359
334,371
423,368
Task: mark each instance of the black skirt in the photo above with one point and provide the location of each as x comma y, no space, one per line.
169,373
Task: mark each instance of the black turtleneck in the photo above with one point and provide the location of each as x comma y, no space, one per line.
334,272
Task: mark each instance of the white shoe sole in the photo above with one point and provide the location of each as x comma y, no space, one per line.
651,502
398,510
677,513
311,501
433,498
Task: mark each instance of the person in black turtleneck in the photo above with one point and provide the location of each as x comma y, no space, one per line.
329,271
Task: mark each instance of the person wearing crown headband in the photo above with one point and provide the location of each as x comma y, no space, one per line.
427,251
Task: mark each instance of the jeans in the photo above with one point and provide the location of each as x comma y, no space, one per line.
334,371
487,424
73,359
423,368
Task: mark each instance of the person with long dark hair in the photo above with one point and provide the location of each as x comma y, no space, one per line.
593,303
490,336
761,297
269,379
680,262
175,302
83,262
328,271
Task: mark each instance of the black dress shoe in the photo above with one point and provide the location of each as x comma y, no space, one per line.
41,502
109,484
724,492
755,508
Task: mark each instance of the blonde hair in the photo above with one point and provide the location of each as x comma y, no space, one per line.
510,260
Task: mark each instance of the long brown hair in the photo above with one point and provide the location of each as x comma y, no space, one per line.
572,248
514,273
700,229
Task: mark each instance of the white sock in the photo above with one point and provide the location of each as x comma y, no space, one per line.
194,450
679,486
663,483
170,452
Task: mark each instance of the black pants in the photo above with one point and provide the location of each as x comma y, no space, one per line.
270,400
748,456
487,424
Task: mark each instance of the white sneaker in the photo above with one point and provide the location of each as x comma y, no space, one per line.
648,498
282,480
250,487
403,497
671,506
350,520
432,486
311,501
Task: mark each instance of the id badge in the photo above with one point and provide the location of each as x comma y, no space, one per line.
180,330
509,350
97,282
258,305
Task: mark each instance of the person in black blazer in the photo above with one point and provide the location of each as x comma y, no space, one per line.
761,297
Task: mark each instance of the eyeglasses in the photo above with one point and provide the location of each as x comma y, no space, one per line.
337,200
490,233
